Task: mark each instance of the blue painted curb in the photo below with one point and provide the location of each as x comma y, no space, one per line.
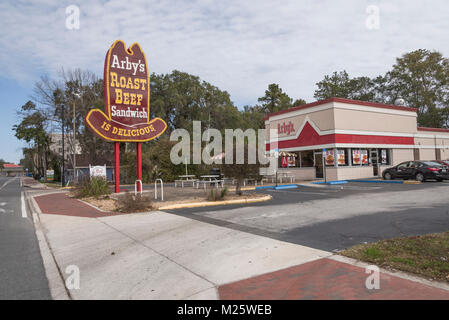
281,186
291,186
265,187
337,182
331,182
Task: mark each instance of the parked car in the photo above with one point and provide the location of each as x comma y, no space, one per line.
443,162
418,170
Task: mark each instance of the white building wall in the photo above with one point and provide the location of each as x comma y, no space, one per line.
401,155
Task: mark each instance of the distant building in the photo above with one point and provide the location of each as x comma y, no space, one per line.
83,163
11,170
56,145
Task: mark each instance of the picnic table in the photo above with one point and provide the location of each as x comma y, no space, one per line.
210,179
185,179
286,174
231,180
249,179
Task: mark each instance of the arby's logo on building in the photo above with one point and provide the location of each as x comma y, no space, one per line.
126,98
286,128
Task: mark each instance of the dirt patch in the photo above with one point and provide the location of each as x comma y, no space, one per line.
105,204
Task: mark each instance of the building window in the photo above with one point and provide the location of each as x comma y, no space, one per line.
364,155
356,157
384,156
330,158
342,157
306,159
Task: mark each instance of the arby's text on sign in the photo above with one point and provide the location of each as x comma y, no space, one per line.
126,117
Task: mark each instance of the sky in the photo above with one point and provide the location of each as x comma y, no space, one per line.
239,46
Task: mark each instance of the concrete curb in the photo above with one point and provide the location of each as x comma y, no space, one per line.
243,189
366,181
215,203
386,181
411,182
55,279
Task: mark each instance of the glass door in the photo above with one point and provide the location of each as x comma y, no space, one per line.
318,163
374,156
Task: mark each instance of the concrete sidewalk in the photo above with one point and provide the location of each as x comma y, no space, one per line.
163,256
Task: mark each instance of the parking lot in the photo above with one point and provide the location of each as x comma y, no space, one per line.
338,216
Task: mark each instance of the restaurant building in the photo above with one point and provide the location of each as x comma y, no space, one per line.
357,139
11,170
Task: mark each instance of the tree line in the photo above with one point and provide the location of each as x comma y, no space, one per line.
420,77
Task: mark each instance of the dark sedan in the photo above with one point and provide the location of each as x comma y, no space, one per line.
442,162
418,170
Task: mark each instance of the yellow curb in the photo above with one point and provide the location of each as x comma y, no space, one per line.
243,189
411,182
214,203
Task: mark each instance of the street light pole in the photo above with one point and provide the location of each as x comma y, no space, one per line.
74,143
63,148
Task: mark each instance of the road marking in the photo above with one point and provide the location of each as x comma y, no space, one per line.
300,192
2,204
7,182
24,210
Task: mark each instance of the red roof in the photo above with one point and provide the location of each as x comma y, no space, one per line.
356,102
433,129
11,165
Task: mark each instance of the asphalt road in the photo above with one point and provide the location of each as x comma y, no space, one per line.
336,217
22,274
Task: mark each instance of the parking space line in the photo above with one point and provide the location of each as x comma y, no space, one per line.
307,192
23,207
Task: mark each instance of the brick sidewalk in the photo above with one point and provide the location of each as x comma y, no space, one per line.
326,279
34,184
62,204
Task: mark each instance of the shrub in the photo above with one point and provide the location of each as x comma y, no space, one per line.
93,187
217,194
134,203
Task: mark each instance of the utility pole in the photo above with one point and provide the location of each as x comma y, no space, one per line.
75,175
74,143
63,148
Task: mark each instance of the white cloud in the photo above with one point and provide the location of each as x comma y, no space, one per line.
240,46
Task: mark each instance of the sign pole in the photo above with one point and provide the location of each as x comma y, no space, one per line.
139,165
117,167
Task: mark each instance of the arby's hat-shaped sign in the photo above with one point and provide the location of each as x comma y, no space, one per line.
126,117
